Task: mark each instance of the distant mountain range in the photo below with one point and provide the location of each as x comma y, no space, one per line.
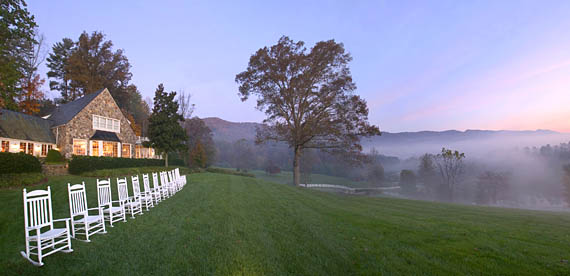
405,144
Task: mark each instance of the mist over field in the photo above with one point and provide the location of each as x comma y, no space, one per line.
519,169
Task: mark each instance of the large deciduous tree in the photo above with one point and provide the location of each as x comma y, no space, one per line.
165,132
94,65
307,96
450,165
199,133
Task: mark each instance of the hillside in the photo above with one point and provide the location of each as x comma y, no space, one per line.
230,225
405,144
229,131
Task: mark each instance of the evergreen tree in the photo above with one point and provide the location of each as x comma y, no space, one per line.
16,30
57,62
165,132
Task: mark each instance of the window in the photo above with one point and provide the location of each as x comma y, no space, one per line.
22,147
50,147
30,148
5,146
79,147
138,153
94,148
126,151
107,124
44,150
110,149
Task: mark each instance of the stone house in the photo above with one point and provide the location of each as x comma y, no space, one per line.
92,125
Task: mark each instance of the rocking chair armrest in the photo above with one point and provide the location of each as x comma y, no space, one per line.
98,209
63,219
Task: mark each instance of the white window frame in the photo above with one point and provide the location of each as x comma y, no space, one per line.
103,123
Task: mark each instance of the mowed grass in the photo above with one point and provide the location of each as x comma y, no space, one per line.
232,225
286,177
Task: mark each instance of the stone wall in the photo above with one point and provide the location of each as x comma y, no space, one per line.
59,169
81,126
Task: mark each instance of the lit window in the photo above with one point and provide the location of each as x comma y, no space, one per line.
79,147
44,150
126,151
110,149
5,146
22,147
95,148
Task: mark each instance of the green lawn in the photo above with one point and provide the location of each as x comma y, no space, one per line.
223,224
286,177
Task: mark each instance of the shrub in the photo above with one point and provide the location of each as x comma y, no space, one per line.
18,163
272,169
81,164
54,156
408,182
375,174
135,171
228,171
20,179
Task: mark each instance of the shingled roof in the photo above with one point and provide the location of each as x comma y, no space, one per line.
16,125
65,112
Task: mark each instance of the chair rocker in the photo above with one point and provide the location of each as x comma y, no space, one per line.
132,205
145,198
37,215
113,210
82,223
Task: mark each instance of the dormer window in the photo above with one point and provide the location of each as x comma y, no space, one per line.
106,124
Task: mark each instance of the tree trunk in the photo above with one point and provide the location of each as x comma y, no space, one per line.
297,166
166,159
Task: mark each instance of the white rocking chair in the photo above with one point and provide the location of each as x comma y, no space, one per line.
157,188
132,205
182,178
153,193
174,180
111,212
165,185
171,183
86,224
37,215
145,198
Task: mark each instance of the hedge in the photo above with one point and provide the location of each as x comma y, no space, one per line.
54,156
228,171
80,164
11,163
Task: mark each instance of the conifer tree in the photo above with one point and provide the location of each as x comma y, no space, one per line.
165,132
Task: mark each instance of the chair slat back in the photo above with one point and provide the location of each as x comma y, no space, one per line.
77,199
146,183
163,179
104,192
155,182
122,188
136,185
177,173
37,208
